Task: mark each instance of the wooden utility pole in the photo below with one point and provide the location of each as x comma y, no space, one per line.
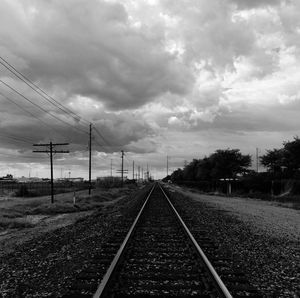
122,171
51,166
111,168
167,165
90,160
51,152
133,170
147,175
122,168
257,160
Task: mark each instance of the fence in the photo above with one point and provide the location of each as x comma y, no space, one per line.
253,185
32,189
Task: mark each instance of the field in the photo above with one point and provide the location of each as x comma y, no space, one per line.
25,218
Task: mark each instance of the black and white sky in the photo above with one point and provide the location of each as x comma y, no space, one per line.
155,77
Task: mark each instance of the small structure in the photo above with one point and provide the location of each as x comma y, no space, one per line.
8,178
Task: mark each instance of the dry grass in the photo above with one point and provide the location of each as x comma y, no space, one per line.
14,223
13,211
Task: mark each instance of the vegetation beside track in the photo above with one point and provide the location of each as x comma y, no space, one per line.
44,266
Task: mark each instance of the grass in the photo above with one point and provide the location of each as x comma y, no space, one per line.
14,223
13,212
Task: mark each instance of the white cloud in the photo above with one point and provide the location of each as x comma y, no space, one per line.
143,71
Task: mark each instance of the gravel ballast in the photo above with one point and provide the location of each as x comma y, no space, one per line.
262,238
45,266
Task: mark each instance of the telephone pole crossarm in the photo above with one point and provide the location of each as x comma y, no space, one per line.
61,151
53,144
51,151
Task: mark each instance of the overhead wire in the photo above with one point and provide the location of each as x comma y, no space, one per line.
33,115
52,101
47,97
102,137
39,91
27,141
39,107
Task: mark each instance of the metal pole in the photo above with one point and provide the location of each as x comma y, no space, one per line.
51,165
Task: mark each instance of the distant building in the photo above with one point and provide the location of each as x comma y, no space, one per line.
8,178
108,179
29,179
75,179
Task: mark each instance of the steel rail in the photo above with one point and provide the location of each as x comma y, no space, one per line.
117,257
209,266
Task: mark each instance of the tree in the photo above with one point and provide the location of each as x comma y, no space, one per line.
273,160
190,170
287,157
204,169
221,164
291,155
229,163
177,175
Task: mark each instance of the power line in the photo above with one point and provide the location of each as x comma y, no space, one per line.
102,137
40,91
39,107
51,146
48,98
23,140
23,109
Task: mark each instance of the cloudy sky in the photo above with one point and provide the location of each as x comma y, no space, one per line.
154,77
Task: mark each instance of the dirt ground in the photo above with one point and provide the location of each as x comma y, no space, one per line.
264,216
42,223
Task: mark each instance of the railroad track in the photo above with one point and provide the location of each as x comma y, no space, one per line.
159,257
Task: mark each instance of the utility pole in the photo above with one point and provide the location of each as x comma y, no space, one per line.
257,163
133,170
139,176
90,160
122,169
51,151
111,168
167,165
147,175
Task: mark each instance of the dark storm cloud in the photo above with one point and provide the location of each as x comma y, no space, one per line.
248,4
151,75
88,48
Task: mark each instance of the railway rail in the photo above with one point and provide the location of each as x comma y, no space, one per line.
159,257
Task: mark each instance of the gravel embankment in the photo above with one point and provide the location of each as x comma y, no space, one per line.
46,265
262,238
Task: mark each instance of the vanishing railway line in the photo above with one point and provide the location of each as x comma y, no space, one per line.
159,257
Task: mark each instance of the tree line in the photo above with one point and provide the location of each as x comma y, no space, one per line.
231,164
